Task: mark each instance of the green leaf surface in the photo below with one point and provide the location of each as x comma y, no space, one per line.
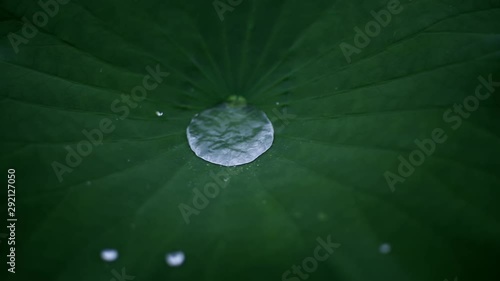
339,127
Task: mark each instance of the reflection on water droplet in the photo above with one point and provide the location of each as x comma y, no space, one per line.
175,258
109,255
158,113
230,134
385,248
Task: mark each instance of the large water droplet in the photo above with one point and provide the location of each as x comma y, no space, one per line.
230,134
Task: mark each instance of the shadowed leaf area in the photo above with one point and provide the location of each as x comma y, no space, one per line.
347,109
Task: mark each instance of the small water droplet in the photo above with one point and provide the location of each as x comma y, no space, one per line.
88,182
385,248
175,258
277,103
100,70
109,255
128,160
230,134
159,113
